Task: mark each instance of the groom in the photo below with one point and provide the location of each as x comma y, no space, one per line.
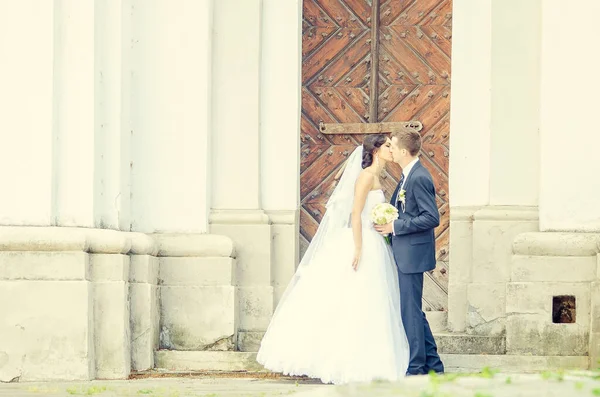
413,244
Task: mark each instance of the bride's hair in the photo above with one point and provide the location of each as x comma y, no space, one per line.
370,145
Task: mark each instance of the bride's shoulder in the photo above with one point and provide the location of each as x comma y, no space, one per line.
365,179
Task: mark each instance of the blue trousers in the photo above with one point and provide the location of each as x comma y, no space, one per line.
423,350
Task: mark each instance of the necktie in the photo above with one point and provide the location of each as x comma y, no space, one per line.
400,183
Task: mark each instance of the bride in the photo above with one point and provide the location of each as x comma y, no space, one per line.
339,318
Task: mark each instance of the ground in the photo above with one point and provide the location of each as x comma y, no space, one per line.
485,384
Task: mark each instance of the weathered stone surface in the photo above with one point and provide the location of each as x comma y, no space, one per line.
31,265
206,361
511,363
253,251
143,269
486,309
194,245
457,306
198,317
530,329
285,251
240,361
255,307
461,248
46,330
112,339
557,244
109,267
197,271
74,239
144,322
553,268
452,343
144,310
438,320
492,248
249,341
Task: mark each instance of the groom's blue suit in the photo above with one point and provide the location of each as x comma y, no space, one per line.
413,244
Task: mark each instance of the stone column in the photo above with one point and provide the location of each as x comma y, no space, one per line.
570,185
493,145
281,68
112,152
170,115
469,143
236,199
26,162
556,270
74,113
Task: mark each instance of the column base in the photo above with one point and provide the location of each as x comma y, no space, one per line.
552,294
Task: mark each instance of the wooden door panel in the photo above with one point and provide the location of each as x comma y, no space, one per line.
415,59
413,82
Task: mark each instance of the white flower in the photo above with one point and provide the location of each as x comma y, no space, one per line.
402,196
384,213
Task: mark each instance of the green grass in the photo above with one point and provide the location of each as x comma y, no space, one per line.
89,391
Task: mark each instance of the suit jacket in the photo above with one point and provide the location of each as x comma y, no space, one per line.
414,241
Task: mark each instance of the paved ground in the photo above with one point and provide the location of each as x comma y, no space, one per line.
486,384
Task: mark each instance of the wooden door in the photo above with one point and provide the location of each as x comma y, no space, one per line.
406,71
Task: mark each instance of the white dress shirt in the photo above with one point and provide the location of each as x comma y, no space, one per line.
405,171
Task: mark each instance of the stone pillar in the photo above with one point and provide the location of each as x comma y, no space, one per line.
237,208
493,182
170,115
280,103
469,143
46,301
144,309
198,294
112,339
594,352
74,106
570,185
547,267
112,128
26,161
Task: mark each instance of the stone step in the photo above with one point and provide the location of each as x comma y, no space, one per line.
447,342
186,361
453,343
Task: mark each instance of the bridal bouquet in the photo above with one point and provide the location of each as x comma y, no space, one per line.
382,214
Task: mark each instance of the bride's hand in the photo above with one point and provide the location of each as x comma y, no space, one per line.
356,259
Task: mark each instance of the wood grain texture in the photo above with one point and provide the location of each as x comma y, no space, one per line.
412,72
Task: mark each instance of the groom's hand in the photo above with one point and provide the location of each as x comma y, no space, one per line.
384,230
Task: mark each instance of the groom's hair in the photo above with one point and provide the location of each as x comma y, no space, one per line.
408,139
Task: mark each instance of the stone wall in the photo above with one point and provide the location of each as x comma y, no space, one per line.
81,304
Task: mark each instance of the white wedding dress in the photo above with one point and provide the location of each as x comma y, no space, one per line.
337,324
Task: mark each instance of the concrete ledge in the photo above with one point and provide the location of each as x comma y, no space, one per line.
553,268
44,265
239,217
239,361
464,214
282,217
197,271
54,238
512,364
557,244
452,343
206,361
448,342
249,341
104,241
507,213
196,245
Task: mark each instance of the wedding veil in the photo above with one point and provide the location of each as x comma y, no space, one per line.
336,217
